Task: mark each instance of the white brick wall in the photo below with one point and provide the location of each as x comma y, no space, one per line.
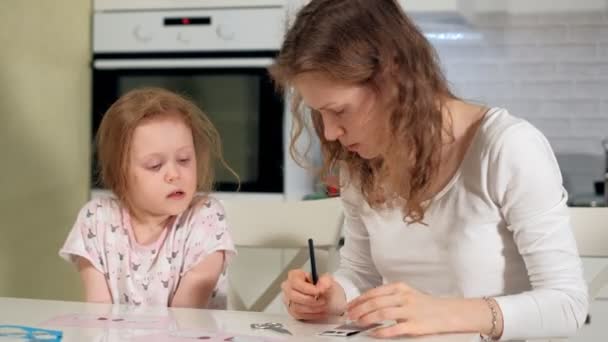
551,69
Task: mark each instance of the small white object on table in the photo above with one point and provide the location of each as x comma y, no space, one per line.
33,313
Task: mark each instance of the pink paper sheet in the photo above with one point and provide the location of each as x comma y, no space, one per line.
202,335
113,321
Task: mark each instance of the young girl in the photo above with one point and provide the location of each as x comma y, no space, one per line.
157,243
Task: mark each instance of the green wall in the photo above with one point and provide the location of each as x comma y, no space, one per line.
44,135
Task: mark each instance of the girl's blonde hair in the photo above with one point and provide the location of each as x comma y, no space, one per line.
115,135
373,43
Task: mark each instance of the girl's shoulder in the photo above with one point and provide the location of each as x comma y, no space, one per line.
101,207
205,205
203,209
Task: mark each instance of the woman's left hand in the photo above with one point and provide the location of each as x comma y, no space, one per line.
415,313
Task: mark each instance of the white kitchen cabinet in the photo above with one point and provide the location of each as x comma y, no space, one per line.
436,6
416,6
429,10
433,9
467,9
105,5
539,6
454,8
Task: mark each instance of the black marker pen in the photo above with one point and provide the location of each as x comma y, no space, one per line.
313,265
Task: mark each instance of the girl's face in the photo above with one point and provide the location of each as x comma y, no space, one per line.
347,111
162,167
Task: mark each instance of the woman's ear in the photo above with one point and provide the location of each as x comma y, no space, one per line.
394,64
387,79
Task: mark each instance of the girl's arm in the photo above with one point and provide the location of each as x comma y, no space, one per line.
196,286
95,285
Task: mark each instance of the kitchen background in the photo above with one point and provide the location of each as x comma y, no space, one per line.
544,61
551,69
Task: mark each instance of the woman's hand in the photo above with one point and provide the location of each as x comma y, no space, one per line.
416,313
306,301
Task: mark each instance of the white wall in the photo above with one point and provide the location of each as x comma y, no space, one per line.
551,69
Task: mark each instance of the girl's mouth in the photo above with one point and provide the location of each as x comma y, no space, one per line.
176,195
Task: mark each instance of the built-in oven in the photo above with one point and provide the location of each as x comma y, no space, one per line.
218,57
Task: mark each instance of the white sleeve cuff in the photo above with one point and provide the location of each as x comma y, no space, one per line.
350,290
520,316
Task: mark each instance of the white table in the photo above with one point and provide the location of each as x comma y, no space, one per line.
34,312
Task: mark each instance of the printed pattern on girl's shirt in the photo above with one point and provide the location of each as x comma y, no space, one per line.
149,275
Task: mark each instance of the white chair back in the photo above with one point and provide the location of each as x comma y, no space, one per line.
591,232
282,224
590,227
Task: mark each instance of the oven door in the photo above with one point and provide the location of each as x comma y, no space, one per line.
237,95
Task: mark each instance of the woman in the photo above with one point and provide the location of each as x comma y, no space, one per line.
456,218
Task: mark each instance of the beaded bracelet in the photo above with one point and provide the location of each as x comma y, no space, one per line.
492,306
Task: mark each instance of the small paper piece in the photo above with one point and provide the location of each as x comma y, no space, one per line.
347,329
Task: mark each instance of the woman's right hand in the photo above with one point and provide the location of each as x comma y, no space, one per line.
306,301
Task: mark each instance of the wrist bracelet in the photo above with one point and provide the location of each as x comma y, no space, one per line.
492,305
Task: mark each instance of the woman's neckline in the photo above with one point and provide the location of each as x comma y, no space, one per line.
490,111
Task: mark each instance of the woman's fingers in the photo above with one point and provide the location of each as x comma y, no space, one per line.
399,329
298,297
298,280
373,309
303,299
383,290
386,314
325,283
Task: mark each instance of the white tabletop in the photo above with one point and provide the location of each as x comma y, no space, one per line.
35,312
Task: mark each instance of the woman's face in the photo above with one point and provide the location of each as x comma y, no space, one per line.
348,112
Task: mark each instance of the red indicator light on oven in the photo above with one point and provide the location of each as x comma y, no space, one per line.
185,21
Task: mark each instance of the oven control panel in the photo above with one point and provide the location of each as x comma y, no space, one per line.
196,30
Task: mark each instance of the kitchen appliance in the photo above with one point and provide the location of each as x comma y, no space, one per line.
218,57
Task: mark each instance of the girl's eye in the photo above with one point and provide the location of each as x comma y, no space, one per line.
155,167
184,160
